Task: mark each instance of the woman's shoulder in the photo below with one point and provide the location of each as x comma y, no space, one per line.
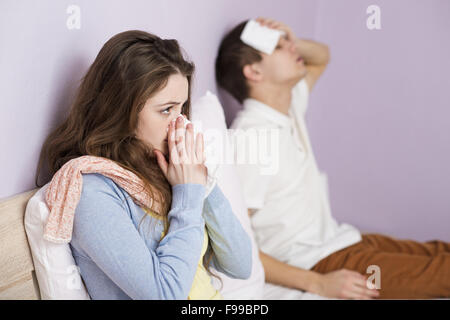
99,188
98,181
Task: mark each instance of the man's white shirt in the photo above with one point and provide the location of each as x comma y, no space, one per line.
293,220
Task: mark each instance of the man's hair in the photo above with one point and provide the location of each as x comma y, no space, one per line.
232,57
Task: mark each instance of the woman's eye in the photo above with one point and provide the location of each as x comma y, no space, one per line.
166,111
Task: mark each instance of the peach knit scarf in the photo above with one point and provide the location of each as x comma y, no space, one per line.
64,192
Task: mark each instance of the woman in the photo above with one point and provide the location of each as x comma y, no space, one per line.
122,132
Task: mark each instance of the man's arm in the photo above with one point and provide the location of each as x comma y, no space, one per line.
316,57
283,274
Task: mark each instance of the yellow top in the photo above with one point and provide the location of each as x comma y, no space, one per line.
202,288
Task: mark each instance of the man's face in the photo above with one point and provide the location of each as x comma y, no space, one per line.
284,65
159,110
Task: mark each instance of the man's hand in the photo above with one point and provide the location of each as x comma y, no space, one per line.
270,23
343,284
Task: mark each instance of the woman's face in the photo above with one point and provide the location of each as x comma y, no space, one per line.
159,110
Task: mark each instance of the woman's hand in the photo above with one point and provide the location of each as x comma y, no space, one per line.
186,159
343,284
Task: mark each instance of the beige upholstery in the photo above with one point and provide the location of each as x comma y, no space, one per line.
17,277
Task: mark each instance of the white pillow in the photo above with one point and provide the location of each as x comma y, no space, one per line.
208,111
56,271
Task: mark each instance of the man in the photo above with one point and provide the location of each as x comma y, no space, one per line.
301,244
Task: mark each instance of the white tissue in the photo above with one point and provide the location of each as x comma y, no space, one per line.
260,37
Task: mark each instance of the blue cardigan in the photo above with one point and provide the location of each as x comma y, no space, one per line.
119,250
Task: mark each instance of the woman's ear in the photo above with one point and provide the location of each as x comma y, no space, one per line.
252,72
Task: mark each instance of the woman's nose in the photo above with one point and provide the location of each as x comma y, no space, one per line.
174,116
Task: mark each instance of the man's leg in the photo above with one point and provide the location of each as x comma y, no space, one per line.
403,275
390,244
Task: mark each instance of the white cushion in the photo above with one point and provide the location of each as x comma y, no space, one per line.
56,271
209,112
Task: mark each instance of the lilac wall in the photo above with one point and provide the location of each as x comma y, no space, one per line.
380,116
377,118
42,60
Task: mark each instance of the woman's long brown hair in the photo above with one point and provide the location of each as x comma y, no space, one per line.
130,68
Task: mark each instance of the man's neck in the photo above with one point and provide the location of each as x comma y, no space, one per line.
277,97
